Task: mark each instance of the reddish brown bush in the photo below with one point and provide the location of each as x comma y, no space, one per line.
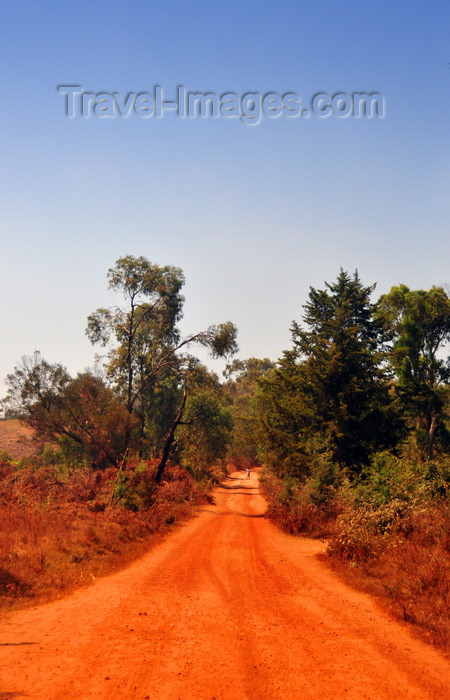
406,561
291,506
59,530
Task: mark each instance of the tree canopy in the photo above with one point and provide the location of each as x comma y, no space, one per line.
417,325
360,377
141,402
82,413
331,383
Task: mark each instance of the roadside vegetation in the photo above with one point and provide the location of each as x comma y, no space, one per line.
121,452
353,430
350,428
61,528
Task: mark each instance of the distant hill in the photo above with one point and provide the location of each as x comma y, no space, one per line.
16,439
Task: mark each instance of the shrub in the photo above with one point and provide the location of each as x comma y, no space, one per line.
310,507
59,528
403,553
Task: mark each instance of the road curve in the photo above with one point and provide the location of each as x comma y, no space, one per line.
225,607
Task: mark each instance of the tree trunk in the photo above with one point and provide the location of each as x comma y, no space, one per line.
170,439
433,424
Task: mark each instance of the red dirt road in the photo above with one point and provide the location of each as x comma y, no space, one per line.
226,607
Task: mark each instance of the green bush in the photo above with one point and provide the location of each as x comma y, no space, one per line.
310,506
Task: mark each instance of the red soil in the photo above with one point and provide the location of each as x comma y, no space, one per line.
225,607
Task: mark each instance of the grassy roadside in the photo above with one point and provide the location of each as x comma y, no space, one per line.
60,531
407,565
396,550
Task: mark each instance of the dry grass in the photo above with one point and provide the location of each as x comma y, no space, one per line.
16,439
406,564
290,506
59,530
398,550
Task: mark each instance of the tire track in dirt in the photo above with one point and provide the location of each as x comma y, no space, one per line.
226,607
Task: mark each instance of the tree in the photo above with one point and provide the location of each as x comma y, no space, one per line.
145,332
205,433
81,413
331,388
202,423
418,328
34,388
282,420
242,381
147,349
158,406
344,386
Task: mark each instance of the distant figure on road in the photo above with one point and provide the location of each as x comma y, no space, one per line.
248,472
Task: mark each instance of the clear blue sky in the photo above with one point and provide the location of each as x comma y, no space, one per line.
253,215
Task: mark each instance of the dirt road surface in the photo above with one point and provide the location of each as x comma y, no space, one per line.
226,607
